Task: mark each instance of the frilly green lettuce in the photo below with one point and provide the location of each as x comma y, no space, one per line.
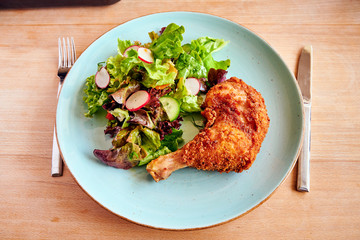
95,97
168,44
159,73
196,61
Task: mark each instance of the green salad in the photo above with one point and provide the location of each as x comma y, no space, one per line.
147,89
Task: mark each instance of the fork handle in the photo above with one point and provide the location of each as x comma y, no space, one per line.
57,164
56,161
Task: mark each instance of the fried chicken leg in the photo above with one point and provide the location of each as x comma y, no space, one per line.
236,125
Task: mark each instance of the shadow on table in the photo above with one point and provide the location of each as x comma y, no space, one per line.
22,4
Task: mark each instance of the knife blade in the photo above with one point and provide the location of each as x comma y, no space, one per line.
304,78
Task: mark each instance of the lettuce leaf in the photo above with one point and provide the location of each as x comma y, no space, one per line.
142,117
168,44
172,140
125,157
113,65
123,45
94,96
159,73
205,46
161,151
152,136
121,115
119,66
121,137
169,144
190,104
197,59
181,90
190,65
135,144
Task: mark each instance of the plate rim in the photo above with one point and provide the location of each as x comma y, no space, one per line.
294,160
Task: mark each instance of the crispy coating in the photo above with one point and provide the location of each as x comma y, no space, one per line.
236,125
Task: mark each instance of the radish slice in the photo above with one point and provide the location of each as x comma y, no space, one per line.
192,85
137,100
135,47
102,78
145,55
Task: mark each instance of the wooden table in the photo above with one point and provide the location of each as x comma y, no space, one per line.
34,205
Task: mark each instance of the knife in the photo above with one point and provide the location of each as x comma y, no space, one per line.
304,79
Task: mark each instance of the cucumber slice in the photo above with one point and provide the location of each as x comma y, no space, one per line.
171,107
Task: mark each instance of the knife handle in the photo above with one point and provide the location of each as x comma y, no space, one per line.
303,181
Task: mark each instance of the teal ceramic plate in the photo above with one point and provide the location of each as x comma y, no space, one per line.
189,198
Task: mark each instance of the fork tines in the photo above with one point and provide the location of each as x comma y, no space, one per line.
67,53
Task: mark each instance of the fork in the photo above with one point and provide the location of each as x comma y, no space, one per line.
67,57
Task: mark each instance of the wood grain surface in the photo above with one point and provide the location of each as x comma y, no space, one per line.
34,205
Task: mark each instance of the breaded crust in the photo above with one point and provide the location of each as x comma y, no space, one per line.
237,122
